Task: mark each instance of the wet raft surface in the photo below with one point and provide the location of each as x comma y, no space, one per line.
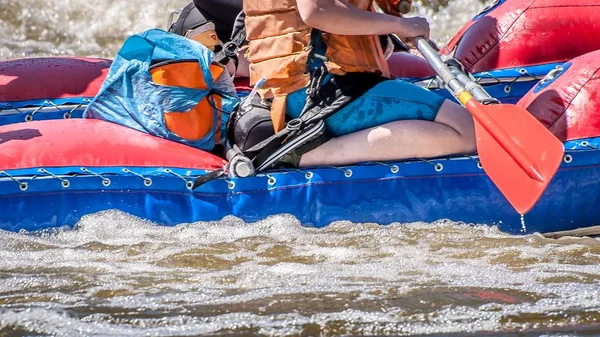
118,275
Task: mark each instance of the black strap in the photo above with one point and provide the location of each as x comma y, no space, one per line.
330,98
203,179
323,101
229,50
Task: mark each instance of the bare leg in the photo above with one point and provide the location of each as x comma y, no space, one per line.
452,132
243,67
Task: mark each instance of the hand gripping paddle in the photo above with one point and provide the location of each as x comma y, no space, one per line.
516,151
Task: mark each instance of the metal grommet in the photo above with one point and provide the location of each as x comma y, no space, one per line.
28,118
67,115
439,167
522,71
348,173
479,166
65,183
568,158
585,143
23,186
231,185
272,181
189,184
147,181
309,175
106,182
507,89
395,169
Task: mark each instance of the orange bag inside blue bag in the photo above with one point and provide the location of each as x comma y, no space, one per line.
200,120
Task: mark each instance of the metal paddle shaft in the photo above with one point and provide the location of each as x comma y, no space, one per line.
471,86
451,76
438,65
516,151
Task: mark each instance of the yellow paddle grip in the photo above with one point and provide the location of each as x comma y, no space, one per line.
464,97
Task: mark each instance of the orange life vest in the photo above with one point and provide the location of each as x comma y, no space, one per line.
278,49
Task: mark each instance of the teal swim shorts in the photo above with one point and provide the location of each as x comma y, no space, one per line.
388,101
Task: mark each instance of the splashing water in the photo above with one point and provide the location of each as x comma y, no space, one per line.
118,275
31,28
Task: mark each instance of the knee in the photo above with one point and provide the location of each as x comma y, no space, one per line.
470,142
460,120
457,117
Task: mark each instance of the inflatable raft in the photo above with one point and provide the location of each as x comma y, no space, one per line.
57,167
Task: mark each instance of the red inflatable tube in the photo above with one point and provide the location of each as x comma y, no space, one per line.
51,77
93,143
569,105
403,64
57,77
68,77
519,33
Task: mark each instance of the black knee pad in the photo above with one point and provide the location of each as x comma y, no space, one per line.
250,125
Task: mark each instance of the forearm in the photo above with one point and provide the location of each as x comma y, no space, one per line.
339,17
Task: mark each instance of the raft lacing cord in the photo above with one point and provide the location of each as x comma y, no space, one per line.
437,166
147,181
11,107
393,168
64,182
48,104
105,181
433,83
588,145
22,185
347,172
79,105
307,173
272,179
34,111
515,79
508,86
188,183
475,160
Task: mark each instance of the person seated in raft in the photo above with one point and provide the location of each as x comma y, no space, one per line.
224,13
212,23
294,41
224,16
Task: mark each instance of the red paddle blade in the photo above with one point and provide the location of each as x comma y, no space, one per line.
516,151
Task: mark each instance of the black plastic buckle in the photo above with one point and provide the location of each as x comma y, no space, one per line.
294,124
230,49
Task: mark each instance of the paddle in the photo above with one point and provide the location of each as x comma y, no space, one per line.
516,151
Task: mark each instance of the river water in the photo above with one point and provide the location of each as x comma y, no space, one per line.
31,28
117,275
